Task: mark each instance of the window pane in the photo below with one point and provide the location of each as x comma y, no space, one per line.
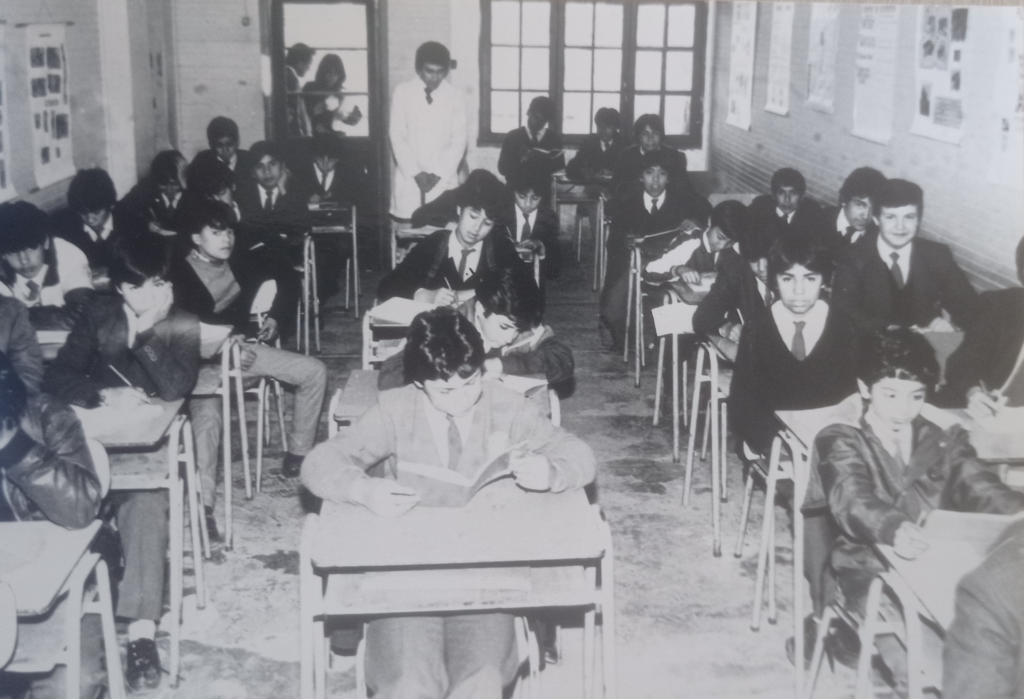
577,69
680,25
648,70
679,71
605,99
325,26
579,24
650,25
607,69
505,68
576,114
609,26
504,111
536,72
677,115
524,104
646,104
536,23
504,23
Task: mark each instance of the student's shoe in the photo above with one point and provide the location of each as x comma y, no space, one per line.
143,671
292,465
211,527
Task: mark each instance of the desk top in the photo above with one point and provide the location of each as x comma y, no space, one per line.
36,559
502,524
145,433
934,575
806,424
991,446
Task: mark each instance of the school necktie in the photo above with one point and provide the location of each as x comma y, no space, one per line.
799,349
897,273
268,204
33,292
462,263
430,98
454,444
849,232
323,181
526,231
654,206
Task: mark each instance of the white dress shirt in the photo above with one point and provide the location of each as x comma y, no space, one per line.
842,223
679,255
72,268
539,136
762,288
326,179
105,232
780,214
274,195
133,325
648,200
425,138
521,218
885,251
438,423
814,324
455,253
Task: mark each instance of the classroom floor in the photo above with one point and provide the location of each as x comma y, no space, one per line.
683,615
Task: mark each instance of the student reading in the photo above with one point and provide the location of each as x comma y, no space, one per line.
447,417
535,145
533,226
884,473
88,220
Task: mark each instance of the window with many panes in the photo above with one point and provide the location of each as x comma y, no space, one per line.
639,57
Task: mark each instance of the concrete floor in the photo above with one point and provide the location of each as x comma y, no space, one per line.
683,615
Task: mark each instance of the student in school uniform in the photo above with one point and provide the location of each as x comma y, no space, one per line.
599,151
272,194
533,227
534,146
655,207
18,341
799,355
323,177
989,352
428,133
897,277
788,205
508,311
855,216
88,221
217,281
125,348
443,212
446,266
49,275
447,417
151,204
648,134
223,137
212,180
882,474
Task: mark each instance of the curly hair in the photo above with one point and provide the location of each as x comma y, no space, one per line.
898,353
442,343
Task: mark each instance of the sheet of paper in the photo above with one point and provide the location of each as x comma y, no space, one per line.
822,50
398,311
211,339
874,85
741,63
980,530
52,337
673,318
105,420
522,384
779,55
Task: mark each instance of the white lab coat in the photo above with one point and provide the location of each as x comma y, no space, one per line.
425,138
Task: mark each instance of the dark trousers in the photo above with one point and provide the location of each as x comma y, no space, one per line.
142,523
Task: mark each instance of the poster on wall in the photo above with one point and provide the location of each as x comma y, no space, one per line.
1006,165
6,186
821,56
939,54
779,54
874,82
741,63
49,103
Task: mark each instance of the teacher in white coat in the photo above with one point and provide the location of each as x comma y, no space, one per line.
428,133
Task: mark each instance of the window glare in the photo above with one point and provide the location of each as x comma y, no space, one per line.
650,25
505,23
579,24
536,23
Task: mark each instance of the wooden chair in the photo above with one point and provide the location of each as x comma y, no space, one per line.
161,470
716,198
673,319
375,351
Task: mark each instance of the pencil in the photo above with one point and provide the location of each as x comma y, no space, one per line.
121,376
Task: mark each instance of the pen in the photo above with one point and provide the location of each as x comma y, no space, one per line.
121,376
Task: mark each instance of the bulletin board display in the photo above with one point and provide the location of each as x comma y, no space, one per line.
940,55
49,102
6,185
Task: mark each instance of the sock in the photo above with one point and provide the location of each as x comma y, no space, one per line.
141,628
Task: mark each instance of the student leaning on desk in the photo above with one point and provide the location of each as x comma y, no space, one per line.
448,417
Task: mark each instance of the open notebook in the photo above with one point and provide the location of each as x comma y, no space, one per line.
443,487
398,311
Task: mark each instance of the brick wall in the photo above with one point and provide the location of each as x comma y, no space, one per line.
981,221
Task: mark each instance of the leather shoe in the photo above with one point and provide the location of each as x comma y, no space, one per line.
292,465
143,671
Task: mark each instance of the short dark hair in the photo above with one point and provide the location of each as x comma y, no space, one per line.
543,105
299,53
607,116
798,249
136,258
22,227
197,214
91,190
864,182
326,145
897,193
481,192
221,127
513,293
261,149
13,394
433,53
661,157
165,167
208,177
898,353
645,120
788,177
731,217
442,343
527,178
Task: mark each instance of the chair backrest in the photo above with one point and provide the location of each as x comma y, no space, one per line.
8,624
744,198
264,298
100,462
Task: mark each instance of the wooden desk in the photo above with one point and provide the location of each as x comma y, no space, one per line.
144,434
934,575
36,559
498,552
